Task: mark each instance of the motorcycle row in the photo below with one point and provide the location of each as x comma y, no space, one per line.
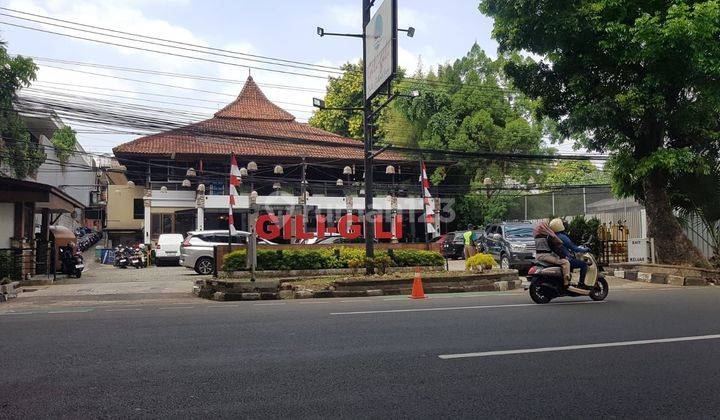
71,259
127,256
86,238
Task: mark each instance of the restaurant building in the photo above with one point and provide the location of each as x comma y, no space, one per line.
184,172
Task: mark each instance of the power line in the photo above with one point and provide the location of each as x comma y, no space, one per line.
208,60
172,41
187,98
180,87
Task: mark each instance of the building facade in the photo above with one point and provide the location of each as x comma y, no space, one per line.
184,172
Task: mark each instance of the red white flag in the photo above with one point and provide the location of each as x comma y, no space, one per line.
235,181
428,203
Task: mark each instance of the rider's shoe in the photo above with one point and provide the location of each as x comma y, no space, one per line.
584,286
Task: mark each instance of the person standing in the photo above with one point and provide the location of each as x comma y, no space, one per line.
469,242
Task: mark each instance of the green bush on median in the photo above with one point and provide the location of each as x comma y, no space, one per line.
316,259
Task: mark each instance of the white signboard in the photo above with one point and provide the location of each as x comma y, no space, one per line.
638,250
380,47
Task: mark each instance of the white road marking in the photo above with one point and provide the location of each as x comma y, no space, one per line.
312,303
581,347
454,295
356,300
72,311
18,313
458,308
123,310
234,305
176,307
269,304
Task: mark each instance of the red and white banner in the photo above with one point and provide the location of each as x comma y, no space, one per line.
428,203
235,182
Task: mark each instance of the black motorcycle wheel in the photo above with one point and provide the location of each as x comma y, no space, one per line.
78,274
538,294
601,290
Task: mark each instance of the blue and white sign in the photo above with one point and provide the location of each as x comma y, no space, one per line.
380,47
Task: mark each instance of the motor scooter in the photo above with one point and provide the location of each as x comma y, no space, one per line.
72,264
137,258
121,257
545,281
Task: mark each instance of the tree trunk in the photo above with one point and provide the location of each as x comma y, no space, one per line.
671,244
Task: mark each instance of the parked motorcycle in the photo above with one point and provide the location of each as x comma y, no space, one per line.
72,263
122,258
137,258
546,280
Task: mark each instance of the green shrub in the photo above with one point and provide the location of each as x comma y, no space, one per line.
480,261
235,261
381,263
412,258
324,258
9,266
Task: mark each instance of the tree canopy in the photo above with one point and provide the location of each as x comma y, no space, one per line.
469,105
575,172
637,79
64,141
16,147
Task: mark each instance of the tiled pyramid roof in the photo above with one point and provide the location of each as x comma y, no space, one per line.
250,126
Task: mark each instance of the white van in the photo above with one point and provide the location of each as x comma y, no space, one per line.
167,249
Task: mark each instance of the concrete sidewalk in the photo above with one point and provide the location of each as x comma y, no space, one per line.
108,283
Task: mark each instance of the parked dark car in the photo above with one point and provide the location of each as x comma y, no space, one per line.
511,244
454,244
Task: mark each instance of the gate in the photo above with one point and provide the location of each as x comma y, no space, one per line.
613,243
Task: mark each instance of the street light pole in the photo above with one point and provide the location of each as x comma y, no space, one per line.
368,161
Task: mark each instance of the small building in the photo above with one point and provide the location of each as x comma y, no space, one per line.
56,194
184,172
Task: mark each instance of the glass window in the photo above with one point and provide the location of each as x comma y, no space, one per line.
138,208
518,231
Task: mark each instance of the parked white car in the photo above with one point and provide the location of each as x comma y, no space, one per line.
196,251
167,249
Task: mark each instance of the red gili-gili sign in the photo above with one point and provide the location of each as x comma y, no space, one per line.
270,227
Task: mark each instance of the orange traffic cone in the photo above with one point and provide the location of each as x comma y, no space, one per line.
417,290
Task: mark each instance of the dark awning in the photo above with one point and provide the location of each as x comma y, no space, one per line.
45,196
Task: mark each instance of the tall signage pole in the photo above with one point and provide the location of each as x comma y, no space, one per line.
369,228
379,37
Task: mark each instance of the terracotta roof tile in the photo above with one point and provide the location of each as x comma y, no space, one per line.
250,126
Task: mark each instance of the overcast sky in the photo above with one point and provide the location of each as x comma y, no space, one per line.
276,28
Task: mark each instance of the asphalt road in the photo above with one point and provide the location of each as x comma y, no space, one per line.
368,358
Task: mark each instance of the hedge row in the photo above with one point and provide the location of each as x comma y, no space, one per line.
315,259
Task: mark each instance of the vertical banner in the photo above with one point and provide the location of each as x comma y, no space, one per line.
428,203
235,181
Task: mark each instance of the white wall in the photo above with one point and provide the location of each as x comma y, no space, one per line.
7,223
73,181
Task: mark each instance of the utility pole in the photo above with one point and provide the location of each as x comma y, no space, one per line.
383,72
303,192
369,216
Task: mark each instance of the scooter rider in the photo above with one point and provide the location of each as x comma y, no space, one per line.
558,227
549,249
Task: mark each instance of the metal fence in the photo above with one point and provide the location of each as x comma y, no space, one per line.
17,263
635,225
560,202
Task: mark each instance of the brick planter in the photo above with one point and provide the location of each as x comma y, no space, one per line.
434,284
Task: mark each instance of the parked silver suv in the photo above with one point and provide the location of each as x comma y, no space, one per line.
196,252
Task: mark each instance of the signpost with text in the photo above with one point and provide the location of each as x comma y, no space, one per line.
380,48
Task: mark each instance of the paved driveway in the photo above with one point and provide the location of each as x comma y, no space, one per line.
105,282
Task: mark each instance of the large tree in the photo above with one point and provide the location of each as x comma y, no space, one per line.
346,91
470,105
638,79
17,149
